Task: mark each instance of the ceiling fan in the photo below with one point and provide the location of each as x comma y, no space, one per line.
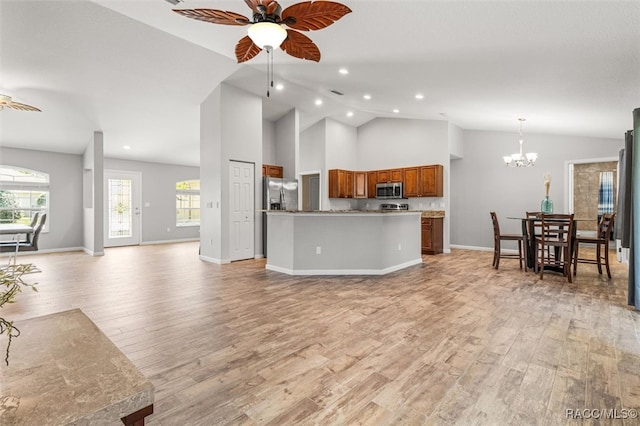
6,101
266,31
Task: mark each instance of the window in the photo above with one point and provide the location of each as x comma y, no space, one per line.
23,192
188,203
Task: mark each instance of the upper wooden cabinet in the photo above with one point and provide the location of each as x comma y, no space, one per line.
269,170
396,175
360,185
393,175
419,181
430,181
372,180
423,181
411,182
340,183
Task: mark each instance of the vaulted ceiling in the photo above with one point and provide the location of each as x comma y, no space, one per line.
138,72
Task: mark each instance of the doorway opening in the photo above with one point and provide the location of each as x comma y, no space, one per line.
587,181
311,191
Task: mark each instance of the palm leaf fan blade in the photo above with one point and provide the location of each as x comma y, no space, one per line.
313,15
300,46
246,49
253,5
214,16
22,107
272,6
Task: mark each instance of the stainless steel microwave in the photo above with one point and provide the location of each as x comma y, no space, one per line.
385,191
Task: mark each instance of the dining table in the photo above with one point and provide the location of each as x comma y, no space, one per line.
15,230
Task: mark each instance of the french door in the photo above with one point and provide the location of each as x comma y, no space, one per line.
122,208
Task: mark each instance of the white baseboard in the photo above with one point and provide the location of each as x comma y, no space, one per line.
456,246
181,240
214,260
45,251
343,271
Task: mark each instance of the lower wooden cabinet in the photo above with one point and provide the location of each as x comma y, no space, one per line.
432,230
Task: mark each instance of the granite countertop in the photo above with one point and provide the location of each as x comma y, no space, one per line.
64,370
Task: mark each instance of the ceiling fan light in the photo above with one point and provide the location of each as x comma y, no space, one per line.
265,34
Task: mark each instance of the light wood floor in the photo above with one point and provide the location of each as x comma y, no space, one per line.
451,341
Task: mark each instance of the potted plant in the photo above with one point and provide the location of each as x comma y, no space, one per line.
11,284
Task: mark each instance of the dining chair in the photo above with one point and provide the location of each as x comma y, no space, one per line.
601,242
497,240
554,244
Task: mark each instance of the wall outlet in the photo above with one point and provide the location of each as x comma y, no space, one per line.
168,229
318,250
399,247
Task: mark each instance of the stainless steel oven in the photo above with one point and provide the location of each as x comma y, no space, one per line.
385,191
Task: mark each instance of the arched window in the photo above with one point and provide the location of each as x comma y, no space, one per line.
188,203
23,192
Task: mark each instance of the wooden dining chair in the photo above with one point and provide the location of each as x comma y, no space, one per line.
554,244
497,240
601,243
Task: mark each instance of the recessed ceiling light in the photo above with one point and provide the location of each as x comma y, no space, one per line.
396,110
318,102
349,113
367,96
343,71
279,86
419,96
127,147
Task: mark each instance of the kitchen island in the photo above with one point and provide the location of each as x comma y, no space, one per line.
342,242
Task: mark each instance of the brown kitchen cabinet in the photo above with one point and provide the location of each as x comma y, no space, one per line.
372,180
360,185
396,175
340,183
430,181
393,175
269,170
431,229
423,181
411,181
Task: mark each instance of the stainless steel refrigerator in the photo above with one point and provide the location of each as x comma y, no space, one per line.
279,194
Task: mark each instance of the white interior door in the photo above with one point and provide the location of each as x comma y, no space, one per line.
122,208
241,205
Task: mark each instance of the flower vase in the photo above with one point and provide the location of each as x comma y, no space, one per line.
547,206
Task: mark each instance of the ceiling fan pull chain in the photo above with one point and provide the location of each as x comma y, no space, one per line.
269,50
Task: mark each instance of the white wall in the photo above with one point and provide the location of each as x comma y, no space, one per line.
456,142
312,148
480,182
159,198
93,196
268,142
287,144
65,219
387,143
210,177
224,136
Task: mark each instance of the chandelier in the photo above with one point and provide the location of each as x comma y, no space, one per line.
519,159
